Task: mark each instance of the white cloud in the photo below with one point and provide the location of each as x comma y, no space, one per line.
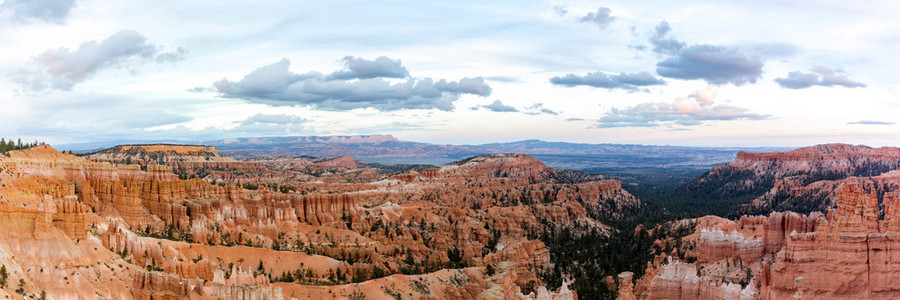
62,68
498,106
800,80
52,11
276,85
693,110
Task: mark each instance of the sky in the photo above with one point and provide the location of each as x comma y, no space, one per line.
693,73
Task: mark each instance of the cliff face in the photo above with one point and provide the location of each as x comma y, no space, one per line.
56,239
802,180
850,253
852,244
141,232
200,161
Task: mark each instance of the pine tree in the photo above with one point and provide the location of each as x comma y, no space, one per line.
3,276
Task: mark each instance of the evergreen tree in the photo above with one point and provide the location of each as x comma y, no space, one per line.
3,276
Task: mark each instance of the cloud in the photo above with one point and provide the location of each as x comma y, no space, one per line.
800,80
561,9
255,125
273,119
601,18
682,111
50,11
62,68
94,116
661,44
770,50
200,89
626,81
172,57
506,79
498,106
276,85
390,127
705,96
358,68
714,64
638,47
870,122
269,124
538,108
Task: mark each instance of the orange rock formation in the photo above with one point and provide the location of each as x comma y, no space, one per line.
77,228
847,254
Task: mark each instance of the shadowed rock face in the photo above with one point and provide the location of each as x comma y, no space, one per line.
78,228
802,180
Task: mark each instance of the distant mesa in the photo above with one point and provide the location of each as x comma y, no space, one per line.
823,152
389,150
338,139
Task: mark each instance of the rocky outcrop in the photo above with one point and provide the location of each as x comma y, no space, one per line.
506,165
802,180
199,161
849,253
626,286
345,161
68,215
678,280
854,248
751,237
151,285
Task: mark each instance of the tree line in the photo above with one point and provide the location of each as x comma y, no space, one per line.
10,145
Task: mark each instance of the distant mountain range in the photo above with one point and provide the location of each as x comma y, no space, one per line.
386,149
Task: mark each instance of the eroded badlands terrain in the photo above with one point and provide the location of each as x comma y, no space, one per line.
848,247
163,221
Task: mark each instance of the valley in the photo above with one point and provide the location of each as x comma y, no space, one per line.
180,221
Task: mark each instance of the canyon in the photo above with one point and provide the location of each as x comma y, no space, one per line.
168,221
846,250
173,221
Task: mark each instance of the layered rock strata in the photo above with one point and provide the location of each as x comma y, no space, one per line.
848,253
